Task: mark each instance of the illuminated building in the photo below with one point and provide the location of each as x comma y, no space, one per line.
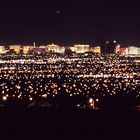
42,47
53,48
26,49
16,48
132,50
38,50
139,50
81,48
2,50
96,49
62,49
73,49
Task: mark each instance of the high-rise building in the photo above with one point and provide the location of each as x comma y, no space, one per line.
2,49
96,49
38,50
133,50
26,49
73,49
62,49
53,48
16,48
81,48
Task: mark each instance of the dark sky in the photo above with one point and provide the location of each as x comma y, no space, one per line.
69,21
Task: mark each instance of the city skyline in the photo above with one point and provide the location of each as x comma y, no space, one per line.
63,56
102,44
68,22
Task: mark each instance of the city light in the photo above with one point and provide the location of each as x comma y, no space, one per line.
4,98
81,81
91,100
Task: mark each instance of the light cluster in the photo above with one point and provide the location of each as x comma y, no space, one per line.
58,78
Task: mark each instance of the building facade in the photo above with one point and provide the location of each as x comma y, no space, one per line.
27,49
2,50
73,49
133,50
82,48
96,49
53,48
16,48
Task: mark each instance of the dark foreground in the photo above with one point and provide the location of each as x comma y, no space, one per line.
43,123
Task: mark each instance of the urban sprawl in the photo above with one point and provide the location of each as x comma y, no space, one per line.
78,76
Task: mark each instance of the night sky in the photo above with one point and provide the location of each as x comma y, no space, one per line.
69,21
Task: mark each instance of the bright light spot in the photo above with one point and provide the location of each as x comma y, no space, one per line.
44,95
4,98
97,100
91,100
30,98
78,105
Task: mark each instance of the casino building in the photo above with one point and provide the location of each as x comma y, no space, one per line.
133,50
2,50
53,48
16,48
81,48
